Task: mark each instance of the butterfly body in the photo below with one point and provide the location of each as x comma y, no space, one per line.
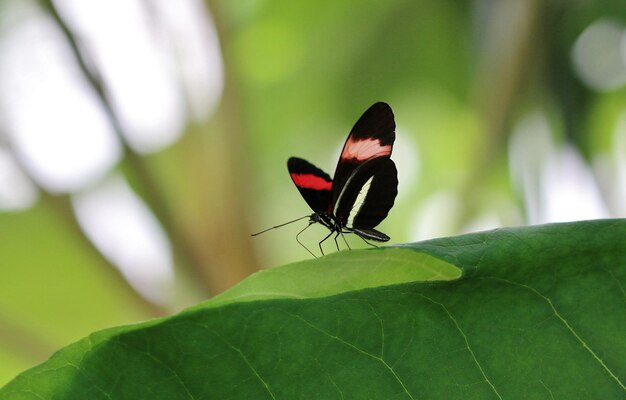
365,183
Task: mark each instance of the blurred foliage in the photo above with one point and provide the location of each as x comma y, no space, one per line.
459,76
54,290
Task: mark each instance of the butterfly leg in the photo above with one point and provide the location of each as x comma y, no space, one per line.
345,241
337,244
300,243
323,240
371,244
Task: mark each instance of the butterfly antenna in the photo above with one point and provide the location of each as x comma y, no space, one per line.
300,243
278,226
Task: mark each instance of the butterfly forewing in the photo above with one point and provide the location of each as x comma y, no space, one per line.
314,184
371,137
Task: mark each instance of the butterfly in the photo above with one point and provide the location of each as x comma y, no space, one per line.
364,186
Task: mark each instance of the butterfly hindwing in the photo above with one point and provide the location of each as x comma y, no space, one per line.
368,195
371,137
314,184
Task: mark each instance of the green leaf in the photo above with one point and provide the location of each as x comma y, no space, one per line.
538,312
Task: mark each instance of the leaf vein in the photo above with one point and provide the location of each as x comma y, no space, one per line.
567,325
337,338
382,331
245,359
174,374
617,281
469,348
547,388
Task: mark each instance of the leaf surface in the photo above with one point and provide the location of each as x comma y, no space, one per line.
537,312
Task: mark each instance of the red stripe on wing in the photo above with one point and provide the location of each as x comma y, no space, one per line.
310,181
364,149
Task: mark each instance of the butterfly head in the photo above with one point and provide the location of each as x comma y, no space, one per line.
324,219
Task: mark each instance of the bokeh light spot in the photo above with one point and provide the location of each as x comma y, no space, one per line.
138,68
53,120
17,192
599,55
122,227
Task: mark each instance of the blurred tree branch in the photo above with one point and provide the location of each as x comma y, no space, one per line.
186,259
226,196
213,250
62,207
501,75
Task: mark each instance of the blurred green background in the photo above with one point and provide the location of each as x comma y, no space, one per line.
141,142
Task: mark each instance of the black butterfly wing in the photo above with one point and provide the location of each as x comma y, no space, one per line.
367,197
371,137
314,184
